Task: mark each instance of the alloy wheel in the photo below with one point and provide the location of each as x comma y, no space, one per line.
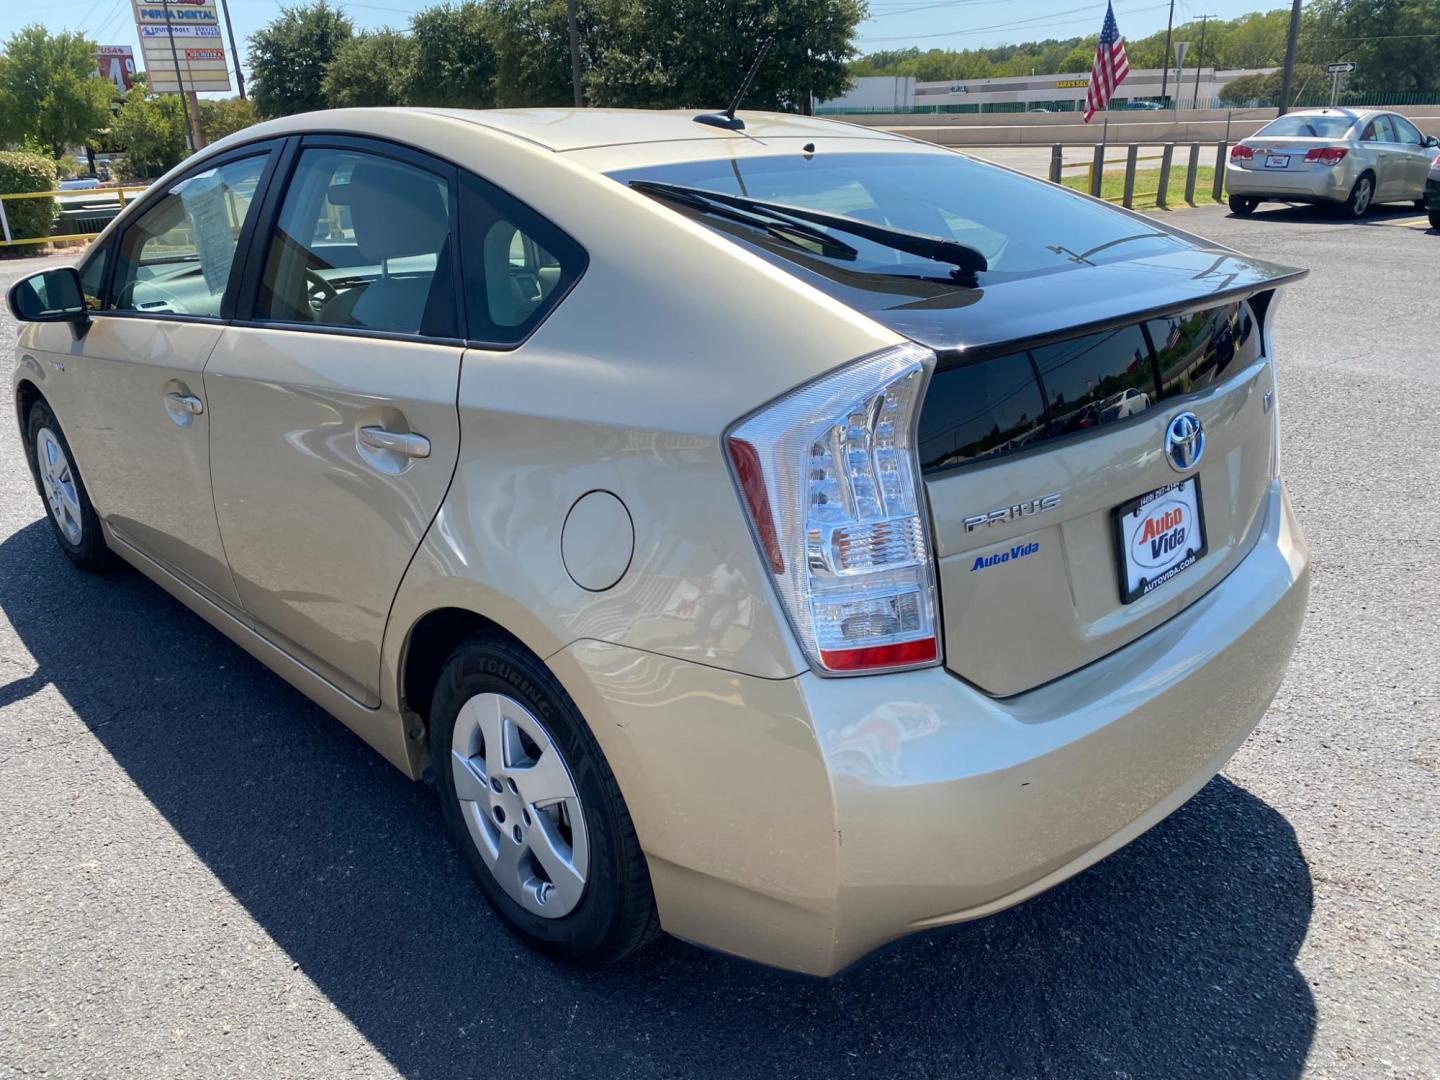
57,479
1360,200
520,804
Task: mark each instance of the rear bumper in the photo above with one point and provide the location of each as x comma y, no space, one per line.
804,822
1325,184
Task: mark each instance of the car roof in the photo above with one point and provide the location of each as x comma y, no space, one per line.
564,130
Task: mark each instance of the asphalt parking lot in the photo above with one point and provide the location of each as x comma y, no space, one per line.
203,875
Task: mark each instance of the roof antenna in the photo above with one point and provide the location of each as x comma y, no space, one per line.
728,119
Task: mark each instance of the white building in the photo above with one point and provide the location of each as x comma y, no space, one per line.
1021,92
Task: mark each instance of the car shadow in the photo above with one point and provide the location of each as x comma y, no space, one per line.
1174,956
1311,214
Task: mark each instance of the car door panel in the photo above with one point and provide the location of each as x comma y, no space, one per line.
335,429
319,526
146,457
141,425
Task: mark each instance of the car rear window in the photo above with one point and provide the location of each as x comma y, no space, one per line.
1309,126
976,410
1016,223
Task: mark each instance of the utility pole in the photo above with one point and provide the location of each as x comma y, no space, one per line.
230,29
574,20
1288,78
1199,60
193,138
1165,64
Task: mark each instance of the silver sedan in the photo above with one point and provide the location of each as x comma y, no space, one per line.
1346,157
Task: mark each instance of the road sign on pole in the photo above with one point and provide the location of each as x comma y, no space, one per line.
1339,69
181,45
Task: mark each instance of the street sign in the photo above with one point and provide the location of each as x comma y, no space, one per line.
1181,48
183,32
1339,69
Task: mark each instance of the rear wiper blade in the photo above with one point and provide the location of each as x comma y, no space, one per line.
778,227
966,260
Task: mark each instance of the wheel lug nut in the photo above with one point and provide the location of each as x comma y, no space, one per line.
516,833
495,784
513,789
526,814
499,812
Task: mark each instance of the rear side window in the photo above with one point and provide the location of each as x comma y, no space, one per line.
983,409
363,242
517,265
1308,125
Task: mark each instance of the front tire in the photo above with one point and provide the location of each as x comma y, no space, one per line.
1435,219
533,807
67,504
1362,196
1243,205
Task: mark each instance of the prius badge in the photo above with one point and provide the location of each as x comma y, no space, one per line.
1005,514
1184,442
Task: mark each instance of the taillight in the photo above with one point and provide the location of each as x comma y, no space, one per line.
1327,155
830,479
1241,152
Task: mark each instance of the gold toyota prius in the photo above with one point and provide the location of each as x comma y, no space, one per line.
782,533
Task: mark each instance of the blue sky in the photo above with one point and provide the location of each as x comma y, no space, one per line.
892,24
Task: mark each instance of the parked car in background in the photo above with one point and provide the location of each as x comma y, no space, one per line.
1348,158
1432,193
79,183
738,526
1143,106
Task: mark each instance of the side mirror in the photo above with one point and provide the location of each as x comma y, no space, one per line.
51,296
1432,141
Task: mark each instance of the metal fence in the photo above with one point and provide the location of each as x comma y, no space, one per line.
1183,104
1095,170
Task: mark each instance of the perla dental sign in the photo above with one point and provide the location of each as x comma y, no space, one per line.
182,15
1019,551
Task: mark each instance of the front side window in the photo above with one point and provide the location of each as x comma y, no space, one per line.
362,241
1378,130
176,258
1406,132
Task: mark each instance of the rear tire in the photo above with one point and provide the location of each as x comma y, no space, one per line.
1362,197
1435,219
1243,205
67,504
564,871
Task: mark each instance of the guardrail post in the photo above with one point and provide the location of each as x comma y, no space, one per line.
5,222
1162,197
1097,170
1220,150
1131,152
1057,154
1191,173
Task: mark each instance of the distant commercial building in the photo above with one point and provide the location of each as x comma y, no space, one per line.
1021,92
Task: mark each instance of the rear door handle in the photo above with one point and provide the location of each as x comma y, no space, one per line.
397,442
186,403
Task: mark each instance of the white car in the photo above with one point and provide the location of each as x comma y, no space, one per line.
1345,157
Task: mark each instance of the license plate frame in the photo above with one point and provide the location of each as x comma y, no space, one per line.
1137,578
1277,161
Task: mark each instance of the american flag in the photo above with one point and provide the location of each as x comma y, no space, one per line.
1110,67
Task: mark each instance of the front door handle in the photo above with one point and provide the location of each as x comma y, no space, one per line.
397,442
186,403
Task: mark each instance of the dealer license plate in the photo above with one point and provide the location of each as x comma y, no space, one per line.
1160,535
1277,161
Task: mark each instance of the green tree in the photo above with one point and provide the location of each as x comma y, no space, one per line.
454,64
694,53
531,43
151,131
225,116
369,69
288,57
29,218
1395,43
50,90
